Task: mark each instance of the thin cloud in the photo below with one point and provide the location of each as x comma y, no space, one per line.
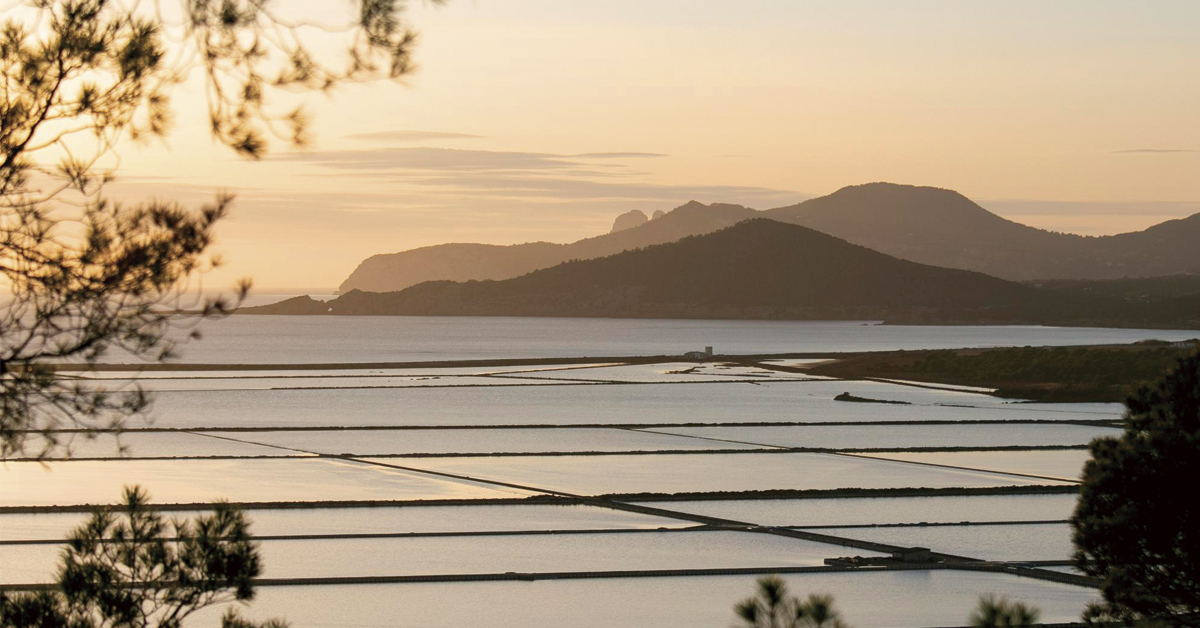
617,155
1152,151
428,158
411,136
532,177
566,188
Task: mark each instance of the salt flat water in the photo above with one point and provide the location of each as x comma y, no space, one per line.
343,339
417,439
881,510
1067,465
202,372
28,564
1046,541
606,404
660,372
379,520
166,384
248,480
897,436
487,554
867,600
673,473
163,444
540,554
388,442
381,442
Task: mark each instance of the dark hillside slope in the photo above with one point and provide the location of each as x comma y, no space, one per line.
454,262
922,224
756,269
944,228
934,226
1168,248
1137,289
464,262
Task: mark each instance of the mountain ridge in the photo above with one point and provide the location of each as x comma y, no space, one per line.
757,269
930,225
395,271
944,228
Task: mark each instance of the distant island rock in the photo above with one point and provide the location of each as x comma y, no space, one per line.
302,305
628,220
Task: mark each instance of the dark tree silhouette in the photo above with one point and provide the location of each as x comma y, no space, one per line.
138,570
999,612
86,275
1137,524
773,607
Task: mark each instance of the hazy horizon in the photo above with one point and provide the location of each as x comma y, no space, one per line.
1077,110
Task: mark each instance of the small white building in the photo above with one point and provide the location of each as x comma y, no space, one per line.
700,355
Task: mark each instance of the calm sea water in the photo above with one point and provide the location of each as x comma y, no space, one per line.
345,339
867,600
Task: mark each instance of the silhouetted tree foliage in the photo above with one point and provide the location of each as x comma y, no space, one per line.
136,569
999,612
87,275
1137,523
773,607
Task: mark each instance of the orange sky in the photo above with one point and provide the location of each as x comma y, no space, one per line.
544,119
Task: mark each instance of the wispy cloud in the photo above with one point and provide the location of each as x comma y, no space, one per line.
537,177
617,155
402,135
565,188
428,158
1153,151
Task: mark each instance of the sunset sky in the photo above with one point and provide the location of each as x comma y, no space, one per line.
544,119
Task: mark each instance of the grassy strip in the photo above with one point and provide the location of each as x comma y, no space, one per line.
560,426
1058,374
578,531
924,524
532,500
522,454
556,500
418,535
841,493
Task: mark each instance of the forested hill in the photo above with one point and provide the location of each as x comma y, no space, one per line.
945,228
464,262
758,269
1137,289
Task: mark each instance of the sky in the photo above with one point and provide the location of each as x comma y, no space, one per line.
544,119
